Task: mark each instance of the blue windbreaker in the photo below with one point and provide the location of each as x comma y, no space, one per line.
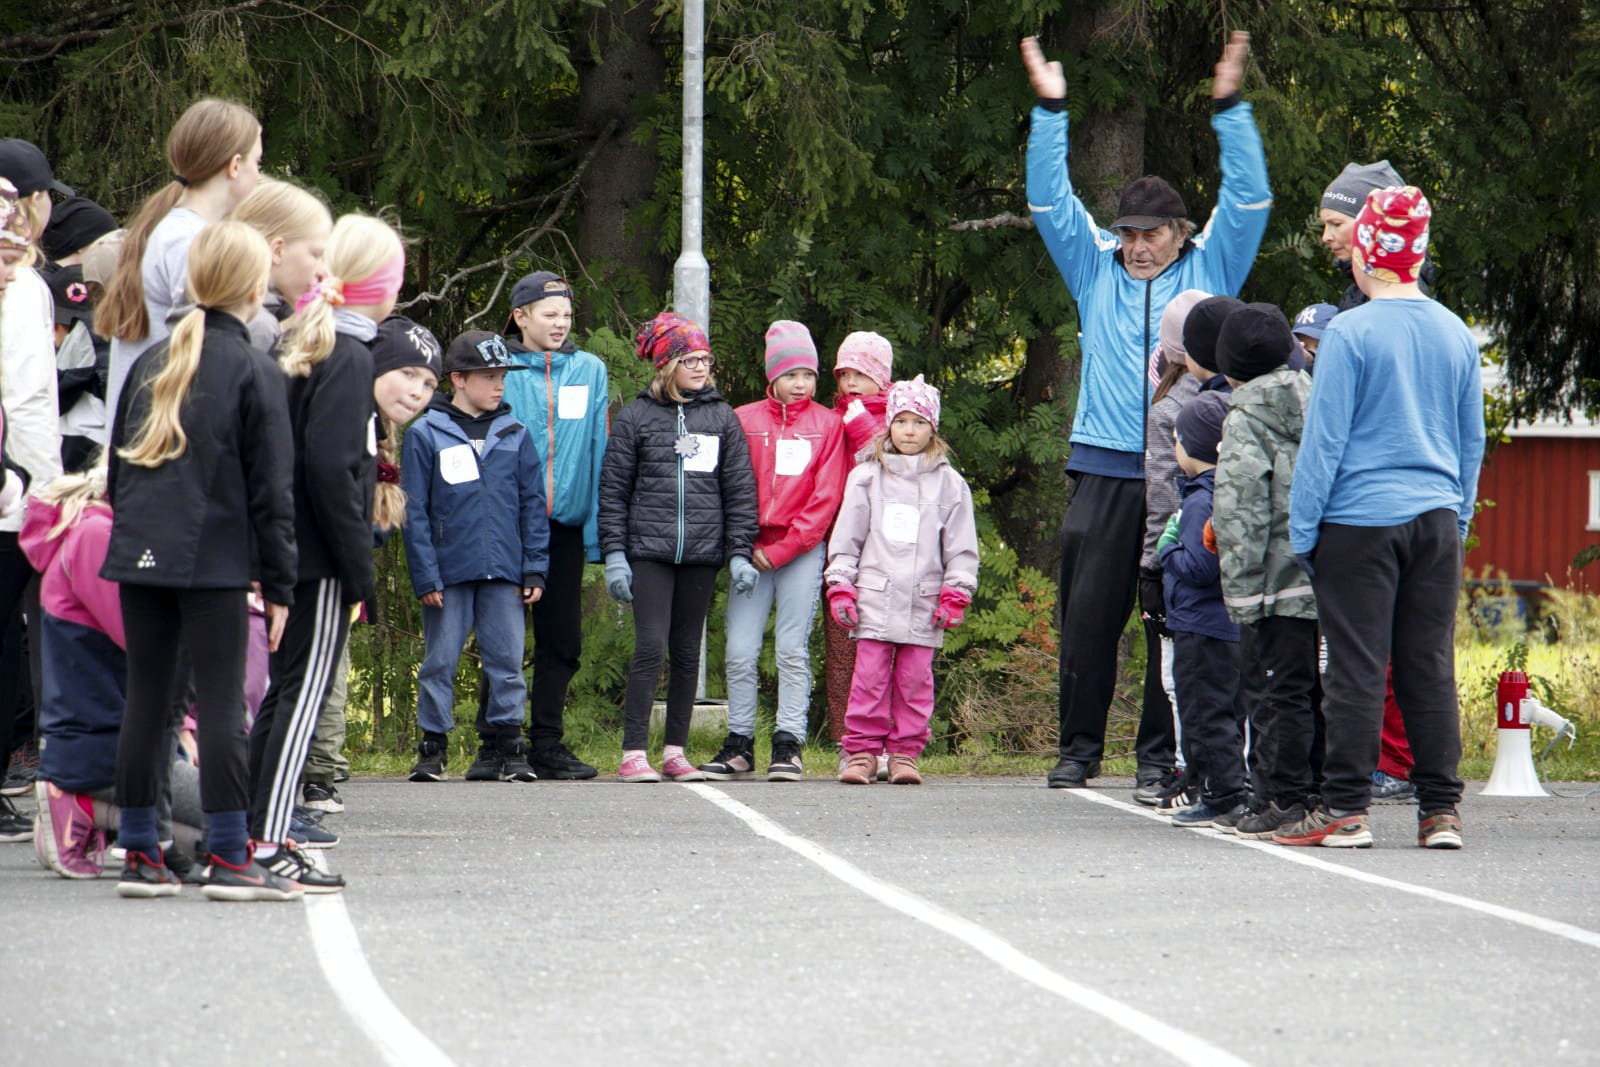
562,401
472,517
1119,318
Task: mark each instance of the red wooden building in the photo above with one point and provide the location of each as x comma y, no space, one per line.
1545,483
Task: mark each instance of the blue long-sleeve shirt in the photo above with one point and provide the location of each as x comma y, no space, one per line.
1394,428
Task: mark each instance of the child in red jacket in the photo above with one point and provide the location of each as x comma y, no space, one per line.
797,448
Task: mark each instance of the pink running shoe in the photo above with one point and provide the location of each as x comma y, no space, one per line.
637,769
64,837
678,769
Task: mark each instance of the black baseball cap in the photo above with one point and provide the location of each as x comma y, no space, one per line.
70,293
29,171
1148,202
479,350
531,288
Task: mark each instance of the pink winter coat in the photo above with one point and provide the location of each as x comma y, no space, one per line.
797,452
906,529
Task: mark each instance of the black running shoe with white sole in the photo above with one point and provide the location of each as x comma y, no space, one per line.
324,797
144,878
430,761
734,761
486,768
223,881
786,765
290,863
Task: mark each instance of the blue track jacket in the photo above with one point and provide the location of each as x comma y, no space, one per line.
1119,318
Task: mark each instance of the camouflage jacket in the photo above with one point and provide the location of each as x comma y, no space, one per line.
1255,470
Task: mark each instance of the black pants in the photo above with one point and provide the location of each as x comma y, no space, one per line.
1101,537
213,624
1205,672
1388,593
301,675
557,641
670,604
1277,671
16,715
1156,746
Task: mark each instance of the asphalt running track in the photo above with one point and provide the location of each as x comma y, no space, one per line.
968,921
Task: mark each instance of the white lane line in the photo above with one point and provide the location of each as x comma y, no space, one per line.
1305,858
1179,1044
345,966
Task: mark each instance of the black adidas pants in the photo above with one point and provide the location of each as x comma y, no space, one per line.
302,673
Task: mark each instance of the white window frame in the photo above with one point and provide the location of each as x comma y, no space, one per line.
1594,501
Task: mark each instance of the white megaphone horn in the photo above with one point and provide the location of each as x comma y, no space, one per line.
1517,709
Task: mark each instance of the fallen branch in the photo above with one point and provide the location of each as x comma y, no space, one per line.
1005,220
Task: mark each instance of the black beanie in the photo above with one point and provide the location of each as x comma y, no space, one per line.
1255,340
74,225
1201,328
403,343
1199,425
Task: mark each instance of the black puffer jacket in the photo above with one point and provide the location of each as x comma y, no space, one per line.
222,513
657,503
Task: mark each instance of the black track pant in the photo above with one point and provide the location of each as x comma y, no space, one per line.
670,604
1278,670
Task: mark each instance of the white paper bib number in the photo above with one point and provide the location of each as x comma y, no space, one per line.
704,460
572,401
901,522
458,464
372,437
793,456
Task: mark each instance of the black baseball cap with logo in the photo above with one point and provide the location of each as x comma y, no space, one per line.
479,350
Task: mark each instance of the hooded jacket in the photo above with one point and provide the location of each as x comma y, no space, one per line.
1192,581
1255,474
562,400
1161,465
223,513
798,454
81,647
905,530
1119,317
473,515
677,486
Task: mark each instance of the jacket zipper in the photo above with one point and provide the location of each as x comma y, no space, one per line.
783,426
550,434
682,432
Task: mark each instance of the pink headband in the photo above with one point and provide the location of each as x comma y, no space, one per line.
377,287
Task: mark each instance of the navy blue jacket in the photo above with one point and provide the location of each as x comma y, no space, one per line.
471,516
1192,575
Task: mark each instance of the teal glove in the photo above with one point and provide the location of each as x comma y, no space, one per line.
1169,536
742,575
619,577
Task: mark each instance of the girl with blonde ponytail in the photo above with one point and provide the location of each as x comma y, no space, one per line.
296,224
326,351
201,490
214,151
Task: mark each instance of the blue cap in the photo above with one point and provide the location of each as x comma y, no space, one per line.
1313,320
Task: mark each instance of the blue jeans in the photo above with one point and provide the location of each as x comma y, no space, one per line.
494,611
795,586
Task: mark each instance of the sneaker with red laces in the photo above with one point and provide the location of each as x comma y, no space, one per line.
221,880
1441,829
1322,827
64,837
637,769
145,877
859,768
678,769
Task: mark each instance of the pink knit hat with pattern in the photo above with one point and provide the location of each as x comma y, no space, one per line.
869,353
789,347
915,396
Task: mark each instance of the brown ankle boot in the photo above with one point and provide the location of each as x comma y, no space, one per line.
903,770
859,768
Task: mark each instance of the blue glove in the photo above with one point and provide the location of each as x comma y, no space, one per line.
619,577
742,575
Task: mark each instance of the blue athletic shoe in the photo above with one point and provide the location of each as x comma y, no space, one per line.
1203,814
1387,789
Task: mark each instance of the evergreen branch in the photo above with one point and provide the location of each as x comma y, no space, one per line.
1004,220
528,237
83,36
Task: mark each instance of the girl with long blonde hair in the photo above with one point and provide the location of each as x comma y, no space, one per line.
297,225
200,485
214,151
326,351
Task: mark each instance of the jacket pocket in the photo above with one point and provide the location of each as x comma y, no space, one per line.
872,601
922,607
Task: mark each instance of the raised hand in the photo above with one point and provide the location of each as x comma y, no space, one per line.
1229,71
1048,81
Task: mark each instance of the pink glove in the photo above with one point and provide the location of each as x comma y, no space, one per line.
952,609
842,602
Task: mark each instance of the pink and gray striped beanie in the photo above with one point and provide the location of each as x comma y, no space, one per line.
789,347
869,353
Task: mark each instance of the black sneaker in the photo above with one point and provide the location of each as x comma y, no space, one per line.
321,797
514,766
1150,792
1177,796
557,763
144,878
785,765
486,768
341,776
288,863
14,826
182,864
735,760
308,833
1263,824
430,761
223,881
1072,774
19,783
